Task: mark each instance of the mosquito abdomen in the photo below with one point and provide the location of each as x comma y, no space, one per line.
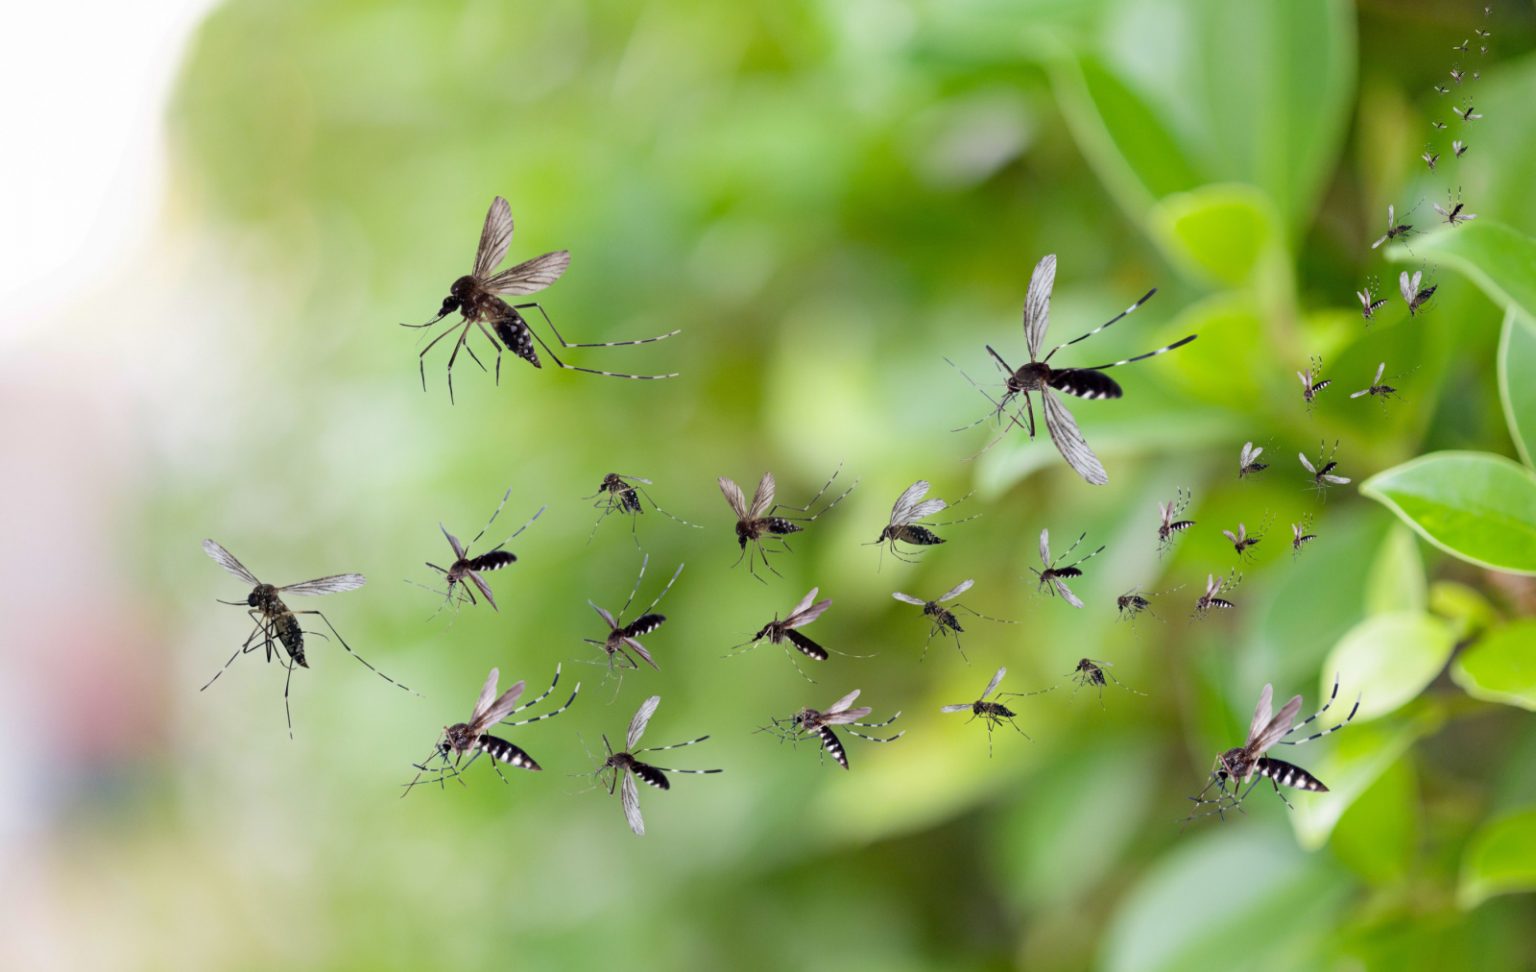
504,752
291,635
514,333
779,526
1291,775
1084,383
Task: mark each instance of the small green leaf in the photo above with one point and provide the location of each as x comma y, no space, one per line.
1501,859
1220,232
1465,607
1477,506
1499,259
1501,667
1396,580
1388,659
1517,392
1377,836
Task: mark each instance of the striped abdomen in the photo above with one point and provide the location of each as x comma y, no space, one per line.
504,752
1291,775
779,526
513,331
833,745
1084,383
495,560
918,536
807,647
643,625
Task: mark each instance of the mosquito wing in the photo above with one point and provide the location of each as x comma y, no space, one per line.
334,584
1045,547
1037,303
530,276
846,716
227,560
499,709
1250,453
805,616
1229,535
1066,593
909,599
1336,480
603,613
642,716
453,541
485,589
957,707
902,511
1070,442
844,702
1277,727
1262,711
763,498
1307,462
495,237
805,602
629,797
1408,286
738,502
996,681
957,590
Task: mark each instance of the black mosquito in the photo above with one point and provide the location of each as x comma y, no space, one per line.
1299,535
1457,75
1090,672
779,631
993,713
1463,47
277,624
1247,762
1376,387
1242,542
1039,376
466,570
622,494
1394,228
944,620
1430,158
1135,601
1459,148
1440,125
1214,588
762,520
622,643
1456,214
910,507
622,768
477,298
1481,32
1370,303
1323,474
1312,381
1056,576
1170,526
472,738
1248,462
1442,90
1414,295
812,722
1467,114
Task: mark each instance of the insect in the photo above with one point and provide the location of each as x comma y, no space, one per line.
1248,762
622,494
622,768
1467,114
1056,576
477,298
1481,32
1456,214
1241,541
466,570
1413,296
1323,475
1394,228
472,738
1090,671
1441,89
1312,380
813,722
944,620
1376,387
1133,602
1299,535
1369,302
993,713
910,507
1430,158
761,520
1463,46
1457,75
622,643
1459,148
1171,526
1442,126
779,631
277,624
1038,376
1248,461
1214,588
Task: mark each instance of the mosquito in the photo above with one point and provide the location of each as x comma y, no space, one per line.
1459,148
1369,302
1457,75
277,624
1248,463
477,298
813,722
622,643
1299,535
1482,33
1312,381
910,507
1463,47
1241,541
1376,388
1056,576
1323,475
993,713
621,493
1467,114
1039,376
944,620
623,768
472,738
1442,90
1214,588
779,631
1394,228
466,570
1090,671
1440,125
1413,295
1248,763
1133,602
1456,214
1171,526
761,519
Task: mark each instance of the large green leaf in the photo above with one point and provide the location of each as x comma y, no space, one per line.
1389,659
1499,259
1517,390
1501,859
1222,232
1501,667
1480,507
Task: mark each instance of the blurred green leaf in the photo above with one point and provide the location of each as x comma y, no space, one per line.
1377,836
1501,666
1477,506
1501,859
1517,390
1389,659
1467,610
1221,232
1396,581
1499,259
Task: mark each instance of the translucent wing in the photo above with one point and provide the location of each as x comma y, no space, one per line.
495,237
485,589
805,602
1229,535
1212,585
487,694
1066,593
642,716
1261,713
227,560
957,590
846,716
1037,303
843,702
453,541
1045,547
530,276
957,707
1277,728
1442,211
909,599
738,502
499,709
901,510
333,584
1409,286
996,681
1336,480
763,498
629,797
926,509
603,613
805,616
1070,442
1306,462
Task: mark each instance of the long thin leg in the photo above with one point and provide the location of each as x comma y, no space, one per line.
652,606
644,562
593,371
810,517
547,715
541,698
1142,357
1113,320
601,344
354,654
657,749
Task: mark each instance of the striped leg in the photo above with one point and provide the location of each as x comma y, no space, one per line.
360,658
1142,357
548,715
808,516
1113,320
658,749
591,371
1313,716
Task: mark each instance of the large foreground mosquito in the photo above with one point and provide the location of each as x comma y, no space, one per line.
1169,525
761,519
1414,295
622,768
1090,672
472,738
1376,388
1214,588
910,507
1248,463
277,624
1312,381
943,618
622,494
1038,376
622,643
466,570
1247,762
1054,574
779,630
993,713
1323,474
813,722
477,298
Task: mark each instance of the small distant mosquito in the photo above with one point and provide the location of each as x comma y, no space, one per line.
471,738
944,620
1441,89
1413,295
910,507
1248,461
1135,601
1090,671
1463,47
1376,388
621,493
813,722
1322,473
277,624
1241,541
622,767
1456,214
1430,158
1214,587
1312,381
1481,32
1299,535
1248,762
1394,228
1370,303
1442,126
466,570
1038,376
1467,114
1458,75
993,713
1054,576
622,643
1170,526
761,519
779,631
1459,148
477,298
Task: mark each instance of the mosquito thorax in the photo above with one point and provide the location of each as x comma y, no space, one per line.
1030,377
1235,763
262,596
462,290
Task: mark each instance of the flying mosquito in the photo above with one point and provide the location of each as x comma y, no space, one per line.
477,298
622,768
943,618
1458,75
277,624
622,643
1248,463
622,494
1459,148
993,713
472,738
1456,214
1440,125
1467,114
1247,762
1299,535
1090,671
1056,576
1323,474
1133,602
1394,228
1241,541
761,519
1463,47
1482,33
1039,376
1376,388
1214,588
910,507
779,631
1369,302
1443,90
466,570
1171,526
1413,296
813,722
1312,381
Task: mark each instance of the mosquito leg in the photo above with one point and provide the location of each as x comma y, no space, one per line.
354,654
602,344
287,711
594,371
422,358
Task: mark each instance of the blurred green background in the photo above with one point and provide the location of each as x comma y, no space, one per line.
829,198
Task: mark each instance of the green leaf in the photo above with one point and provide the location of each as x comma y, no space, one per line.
1517,392
1477,506
1499,259
1501,667
1221,232
1377,836
1389,659
1396,580
1501,859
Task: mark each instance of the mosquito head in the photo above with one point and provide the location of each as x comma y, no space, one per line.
1230,765
262,596
744,531
459,294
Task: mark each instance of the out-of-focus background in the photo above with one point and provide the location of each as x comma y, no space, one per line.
217,216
